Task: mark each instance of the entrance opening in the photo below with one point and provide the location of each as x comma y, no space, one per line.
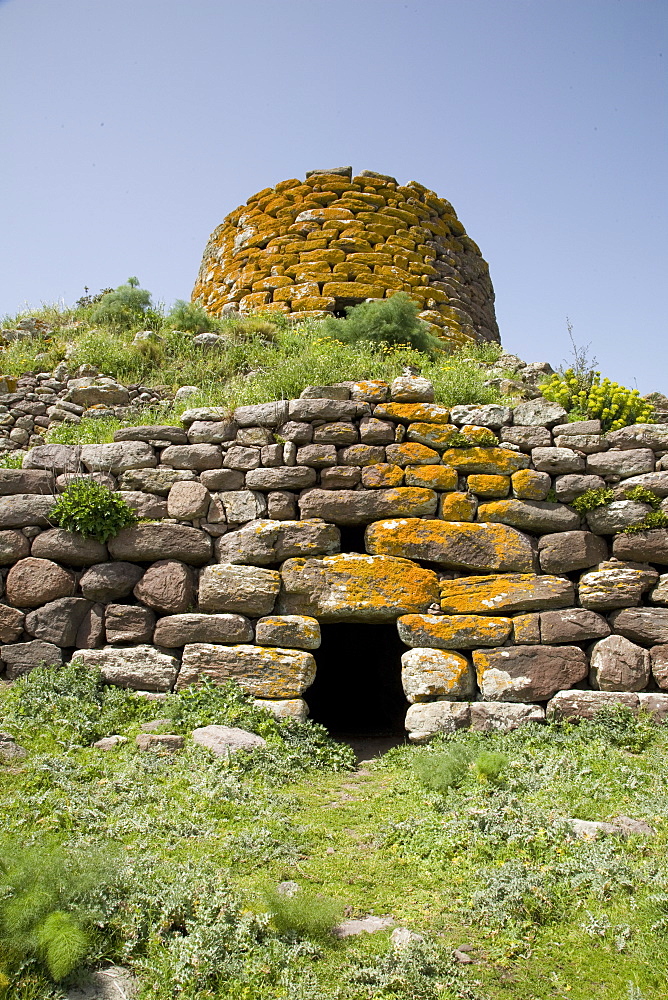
357,690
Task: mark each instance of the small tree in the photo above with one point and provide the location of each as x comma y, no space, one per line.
123,308
389,321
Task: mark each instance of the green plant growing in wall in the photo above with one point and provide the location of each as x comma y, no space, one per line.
587,397
91,509
123,308
653,519
391,321
591,499
642,495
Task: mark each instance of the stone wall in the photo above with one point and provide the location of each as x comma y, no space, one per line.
313,247
509,602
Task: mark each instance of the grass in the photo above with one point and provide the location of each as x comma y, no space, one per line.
197,846
260,359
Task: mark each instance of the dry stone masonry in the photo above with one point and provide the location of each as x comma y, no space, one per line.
314,247
512,607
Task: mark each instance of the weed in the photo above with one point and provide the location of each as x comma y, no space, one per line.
190,317
442,771
591,499
92,510
654,519
304,913
642,495
489,765
11,460
391,321
97,430
417,971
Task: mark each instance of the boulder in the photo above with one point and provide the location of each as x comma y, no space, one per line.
614,585
616,516
618,665
293,631
494,717
263,542
152,432
296,477
646,625
13,546
55,458
110,581
58,621
557,461
160,742
68,547
225,740
263,672
566,551
262,414
145,505
453,631
128,623
360,507
505,594
455,544
569,487
31,582
539,413
241,506
536,516
485,461
572,625
427,674
647,546
427,719
355,588
188,500
118,457
284,708
488,415
177,630
11,623
654,436
571,706
245,590
158,480
167,586
150,542
25,481
659,661
96,390
211,431
26,509
411,389
528,673
142,668
22,657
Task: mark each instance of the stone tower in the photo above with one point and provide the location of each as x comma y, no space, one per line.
311,248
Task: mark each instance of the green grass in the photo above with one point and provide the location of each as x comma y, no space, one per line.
261,359
196,846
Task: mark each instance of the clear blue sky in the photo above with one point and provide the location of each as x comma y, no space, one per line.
130,129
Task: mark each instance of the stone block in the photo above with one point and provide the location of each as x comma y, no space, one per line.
437,436
494,717
317,456
569,487
22,657
576,428
13,546
539,413
655,704
585,444
528,673
177,630
150,542
143,668
572,706
537,516
22,510
570,550
646,625
145,505
128,623
457,506
152,432
411,389
485,461
374,431
90,633
284,708
361,455
659,593
359,507
355,588
429,719
246,590
526,629
382,476
158,481
615,516
286,478
530,485
281,506
68,547
505,594
614,585
58,621
118,457
110,581
11,623
621,463
572,625
188,500
26,481
340,433
296,431
489,486
657,482
411,453
647,546
618,665
31,582
427,674
242,459
557,460
431,477
370,391
225,740
167,586
210,432
325,391
457,545
222,479
407,413
293,631
526,438
325,409
488,415
659,662
262,543
265,672
262,414
242,505
453,631
654,436
193,457
55,458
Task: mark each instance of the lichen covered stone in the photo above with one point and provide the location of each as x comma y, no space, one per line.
492,548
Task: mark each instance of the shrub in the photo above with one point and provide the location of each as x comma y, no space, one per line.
92,510
304,913
442,771
191,317
587,397
591,499
489,764
391,321
123,308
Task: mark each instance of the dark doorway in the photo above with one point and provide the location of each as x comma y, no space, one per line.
357,690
